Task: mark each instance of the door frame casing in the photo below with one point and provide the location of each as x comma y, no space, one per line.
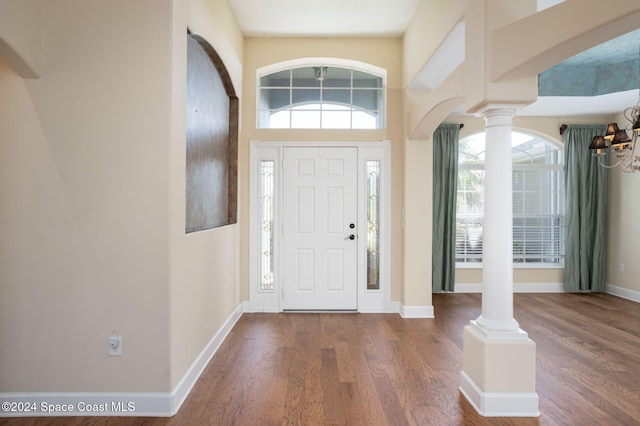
367,300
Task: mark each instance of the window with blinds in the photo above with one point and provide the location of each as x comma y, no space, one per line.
538,201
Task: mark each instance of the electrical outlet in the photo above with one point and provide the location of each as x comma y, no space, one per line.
115,345
620,267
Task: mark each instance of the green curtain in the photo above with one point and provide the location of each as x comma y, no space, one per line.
586,212
445,178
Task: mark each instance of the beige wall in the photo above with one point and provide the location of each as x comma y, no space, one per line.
427,31
623,227
431,24
418,224
83,205
214,20
21,36
92,204
385,53
204,265
482,19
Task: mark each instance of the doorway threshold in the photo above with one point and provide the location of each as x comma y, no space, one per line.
320,311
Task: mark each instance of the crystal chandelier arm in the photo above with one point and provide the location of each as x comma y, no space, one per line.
607,166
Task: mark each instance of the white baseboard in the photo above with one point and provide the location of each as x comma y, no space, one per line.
391,308
623,292
494,404
416,311
375,310
249,308
138,404
517,288
181,391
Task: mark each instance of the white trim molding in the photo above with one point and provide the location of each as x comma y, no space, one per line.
517,288
613,290
624,293
182,389
137,404
494,404
416,311
390,309
394,307
328,61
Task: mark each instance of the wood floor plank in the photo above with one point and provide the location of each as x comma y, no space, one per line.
381,369
352,407
394,412
293,405
273,406
570,408
331,390
617,396
369,399
345,361
314,396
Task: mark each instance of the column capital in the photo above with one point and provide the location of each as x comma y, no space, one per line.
498,114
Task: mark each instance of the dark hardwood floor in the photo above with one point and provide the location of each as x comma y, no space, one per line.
381,369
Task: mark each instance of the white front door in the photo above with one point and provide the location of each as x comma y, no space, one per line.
320,229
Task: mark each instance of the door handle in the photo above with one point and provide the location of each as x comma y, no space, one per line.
350,237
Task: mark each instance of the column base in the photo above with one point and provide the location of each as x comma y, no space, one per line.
499,331
499,404
498,376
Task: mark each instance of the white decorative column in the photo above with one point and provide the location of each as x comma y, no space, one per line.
497,239
498,374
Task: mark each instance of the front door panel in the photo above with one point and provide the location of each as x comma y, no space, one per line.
320,240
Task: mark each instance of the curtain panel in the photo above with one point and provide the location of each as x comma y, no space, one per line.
586,212
445,178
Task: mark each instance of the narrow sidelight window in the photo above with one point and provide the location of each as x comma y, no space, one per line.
267,184
373,225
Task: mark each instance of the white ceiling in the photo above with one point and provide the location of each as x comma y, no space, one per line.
389,18
316,18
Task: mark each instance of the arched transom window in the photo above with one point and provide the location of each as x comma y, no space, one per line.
321,97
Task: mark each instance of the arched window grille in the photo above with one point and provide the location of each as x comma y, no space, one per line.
321,97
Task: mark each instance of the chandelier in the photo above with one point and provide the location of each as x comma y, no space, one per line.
616,142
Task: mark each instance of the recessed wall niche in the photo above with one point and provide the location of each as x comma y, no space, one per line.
212,139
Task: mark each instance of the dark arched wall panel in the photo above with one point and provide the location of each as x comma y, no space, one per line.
211,121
